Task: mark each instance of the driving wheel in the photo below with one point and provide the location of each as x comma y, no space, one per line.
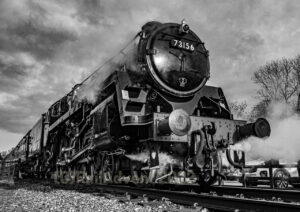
281,179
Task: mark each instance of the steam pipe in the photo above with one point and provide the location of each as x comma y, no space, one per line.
75,140
165,176
66,149
234,164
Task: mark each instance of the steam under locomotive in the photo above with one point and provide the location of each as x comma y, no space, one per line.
151,118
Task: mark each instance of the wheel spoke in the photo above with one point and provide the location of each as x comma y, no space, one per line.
281,179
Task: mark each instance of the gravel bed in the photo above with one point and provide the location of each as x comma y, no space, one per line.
35,197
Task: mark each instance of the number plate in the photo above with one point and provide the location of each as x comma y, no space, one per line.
182,45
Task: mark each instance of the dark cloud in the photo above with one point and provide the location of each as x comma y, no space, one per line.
21,112
11,75
12,71
41,41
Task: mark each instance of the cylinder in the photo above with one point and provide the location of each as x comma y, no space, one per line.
260,128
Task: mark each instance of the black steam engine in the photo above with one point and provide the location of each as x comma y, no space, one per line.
150,119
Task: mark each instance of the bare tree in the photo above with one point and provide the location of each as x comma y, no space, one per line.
238,109
259,110
278,80
296,67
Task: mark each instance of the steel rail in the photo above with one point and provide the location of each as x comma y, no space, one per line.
266,193
248,192
216,202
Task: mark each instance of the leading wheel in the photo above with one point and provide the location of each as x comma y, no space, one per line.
209,177
206,178
108,168
281,179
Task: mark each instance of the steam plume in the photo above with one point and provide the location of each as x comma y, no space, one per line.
164,160
90,89
284,141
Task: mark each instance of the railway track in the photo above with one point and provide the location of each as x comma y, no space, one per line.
211,200
292,196
226,198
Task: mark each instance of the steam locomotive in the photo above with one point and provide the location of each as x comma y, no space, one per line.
150,117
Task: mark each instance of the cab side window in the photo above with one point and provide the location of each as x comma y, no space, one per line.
103,121
111,112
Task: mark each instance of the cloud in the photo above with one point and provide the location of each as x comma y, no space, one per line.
48,46
91,11
35,32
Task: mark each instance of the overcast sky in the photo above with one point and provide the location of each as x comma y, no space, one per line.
48,46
